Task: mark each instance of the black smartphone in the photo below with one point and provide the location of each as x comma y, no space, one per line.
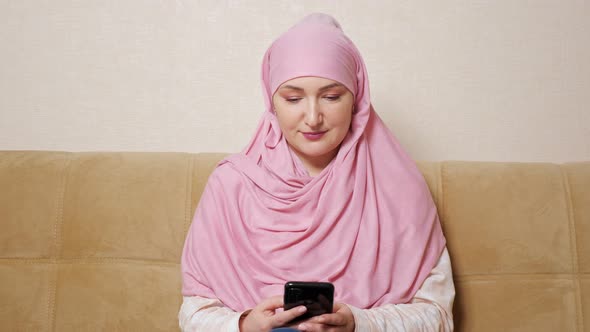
318,297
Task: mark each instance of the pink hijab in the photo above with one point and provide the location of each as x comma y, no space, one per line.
366,223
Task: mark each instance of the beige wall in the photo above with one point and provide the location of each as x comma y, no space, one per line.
471,80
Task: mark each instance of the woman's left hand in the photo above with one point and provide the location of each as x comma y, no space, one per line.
341,320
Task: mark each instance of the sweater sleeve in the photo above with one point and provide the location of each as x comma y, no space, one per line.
430,309
204,314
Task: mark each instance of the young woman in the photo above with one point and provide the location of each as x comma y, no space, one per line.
323,192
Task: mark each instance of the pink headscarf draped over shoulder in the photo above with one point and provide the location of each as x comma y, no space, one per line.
366,223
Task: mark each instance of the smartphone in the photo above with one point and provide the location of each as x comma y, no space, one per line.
318,297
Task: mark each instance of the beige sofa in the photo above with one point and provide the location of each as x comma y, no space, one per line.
91,241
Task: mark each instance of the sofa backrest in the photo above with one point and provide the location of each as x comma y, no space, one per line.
519,239
92,241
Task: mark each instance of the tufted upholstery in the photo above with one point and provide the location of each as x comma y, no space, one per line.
91,241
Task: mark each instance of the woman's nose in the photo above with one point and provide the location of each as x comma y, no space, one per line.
313,117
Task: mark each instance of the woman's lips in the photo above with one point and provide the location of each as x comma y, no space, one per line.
313,135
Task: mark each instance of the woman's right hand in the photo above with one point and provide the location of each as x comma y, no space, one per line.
263,317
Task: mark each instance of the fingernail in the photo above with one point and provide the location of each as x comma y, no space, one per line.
302,309
302,327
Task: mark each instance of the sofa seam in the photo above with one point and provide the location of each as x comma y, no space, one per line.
51,299
52,294
58,228
574,246
85,260
489,276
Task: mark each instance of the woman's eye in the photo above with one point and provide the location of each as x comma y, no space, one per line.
332,97
292,100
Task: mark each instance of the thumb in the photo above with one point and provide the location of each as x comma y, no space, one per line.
272,303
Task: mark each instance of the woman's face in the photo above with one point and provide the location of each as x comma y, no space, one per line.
314,114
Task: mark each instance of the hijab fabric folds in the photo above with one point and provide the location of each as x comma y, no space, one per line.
366,223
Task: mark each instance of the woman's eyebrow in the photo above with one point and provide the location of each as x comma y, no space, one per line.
291,87
329,86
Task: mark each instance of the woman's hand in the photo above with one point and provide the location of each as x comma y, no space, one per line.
341,320
263,317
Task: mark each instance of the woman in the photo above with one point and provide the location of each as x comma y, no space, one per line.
323,192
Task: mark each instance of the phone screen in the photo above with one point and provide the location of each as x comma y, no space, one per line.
318,297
